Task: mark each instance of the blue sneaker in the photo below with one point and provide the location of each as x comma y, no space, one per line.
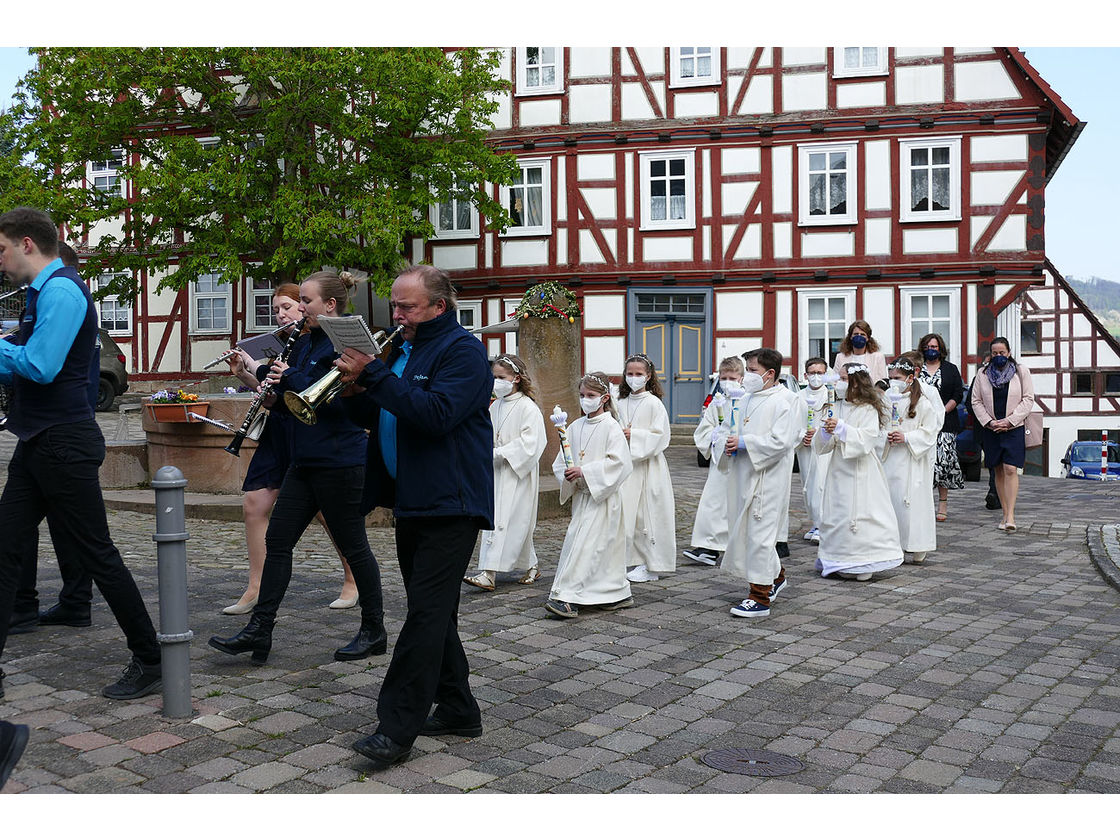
777,587
750,609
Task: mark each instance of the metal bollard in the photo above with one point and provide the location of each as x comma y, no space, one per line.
171,559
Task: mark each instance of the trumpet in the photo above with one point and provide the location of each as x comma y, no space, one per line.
305,404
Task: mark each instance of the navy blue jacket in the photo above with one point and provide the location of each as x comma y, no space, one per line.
445,442
334,440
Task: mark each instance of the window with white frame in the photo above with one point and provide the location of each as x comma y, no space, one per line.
693,66
932,310
528,199
539,70
469,313
668,189
456,217
105,175
859,61
827,188
930,181
114,314
210,304
824,322
262,318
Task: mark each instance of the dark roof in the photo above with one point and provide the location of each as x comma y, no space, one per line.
1064,125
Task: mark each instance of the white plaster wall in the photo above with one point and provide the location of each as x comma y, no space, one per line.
161,303
1082,354
877,236
172,359
976,227
741,160
605,353
524,252
736,195
750,246
494,312
783,240
804,92
667,249
735,346
993,187
930,241
917,52
877,184
999,147
827,244
1012,235
560,191
759,98
417,250
202,352
915,85
652,59
705,179
982,81
793,56
862,95
738,310
878,311
562,245
739,58
635,106
781,165
540,112
490,250
595,167
589,103
604,312
589,251
452,257
696,104
784,326
601,201
589,61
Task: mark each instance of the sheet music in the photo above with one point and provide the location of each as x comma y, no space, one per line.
349,331
262,346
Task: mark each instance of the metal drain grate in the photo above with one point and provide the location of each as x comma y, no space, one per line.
753,762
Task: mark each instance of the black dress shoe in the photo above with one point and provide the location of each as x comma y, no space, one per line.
13,739
434,726
66,616
255,638
782,549
382,750
25,622
370,641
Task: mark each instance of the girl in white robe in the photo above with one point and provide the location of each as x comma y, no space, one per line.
810,465
592,566
908,460
709,530
859,529
519,442
647,495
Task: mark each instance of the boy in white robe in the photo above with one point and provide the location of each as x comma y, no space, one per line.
592,566
810,465
758,455
519,442
908,459
859,529
647,495
709,531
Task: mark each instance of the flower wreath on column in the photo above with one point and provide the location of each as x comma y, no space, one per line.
548,300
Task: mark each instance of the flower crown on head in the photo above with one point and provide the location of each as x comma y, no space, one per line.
633,357
902,364
605,386
856,367
508,362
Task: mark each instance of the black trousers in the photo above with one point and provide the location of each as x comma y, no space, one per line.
77,586
56,472
337,492
429,664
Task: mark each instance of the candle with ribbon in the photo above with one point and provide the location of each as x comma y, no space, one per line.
830,379
735,393
559,419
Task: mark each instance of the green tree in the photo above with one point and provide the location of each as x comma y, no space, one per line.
271,161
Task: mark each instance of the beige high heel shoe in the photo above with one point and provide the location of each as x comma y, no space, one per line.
240,608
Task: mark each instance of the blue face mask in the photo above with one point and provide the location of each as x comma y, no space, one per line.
859,341
999,361
932,354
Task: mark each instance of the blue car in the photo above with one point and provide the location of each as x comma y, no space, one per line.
1083,460
968,445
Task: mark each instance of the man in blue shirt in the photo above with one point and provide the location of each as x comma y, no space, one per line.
55,464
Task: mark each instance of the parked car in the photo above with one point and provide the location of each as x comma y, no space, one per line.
114,376
968,443
1083,460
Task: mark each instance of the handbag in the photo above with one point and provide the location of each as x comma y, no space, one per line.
1033,429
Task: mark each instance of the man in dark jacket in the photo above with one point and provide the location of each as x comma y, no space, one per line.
430,458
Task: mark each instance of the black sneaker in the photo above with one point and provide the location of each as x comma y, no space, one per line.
782,549
702,555
137,680
13,740
1,684
25,622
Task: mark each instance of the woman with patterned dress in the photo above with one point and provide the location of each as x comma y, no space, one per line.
943,375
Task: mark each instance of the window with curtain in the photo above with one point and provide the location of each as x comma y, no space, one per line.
668,195
539,70
827,174
859,61
690,66
527,198
930,179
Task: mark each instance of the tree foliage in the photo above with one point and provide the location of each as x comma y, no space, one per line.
271,161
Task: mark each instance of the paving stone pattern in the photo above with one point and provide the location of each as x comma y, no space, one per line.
992,668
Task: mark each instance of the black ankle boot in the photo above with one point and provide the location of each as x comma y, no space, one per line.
370,641
256,637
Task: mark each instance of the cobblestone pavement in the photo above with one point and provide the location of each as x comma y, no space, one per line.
993,667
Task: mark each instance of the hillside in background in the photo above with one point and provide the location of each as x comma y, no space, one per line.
1103,297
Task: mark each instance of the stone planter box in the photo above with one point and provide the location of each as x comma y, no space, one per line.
197,448
177,412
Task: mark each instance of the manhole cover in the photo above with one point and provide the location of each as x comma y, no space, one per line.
753,762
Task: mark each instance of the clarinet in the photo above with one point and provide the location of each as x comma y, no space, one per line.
234,447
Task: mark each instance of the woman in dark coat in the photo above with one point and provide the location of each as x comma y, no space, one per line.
946,378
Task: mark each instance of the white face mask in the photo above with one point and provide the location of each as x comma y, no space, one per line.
734,389
636,383
590,404
752,382
726,384
841,389
898,385
816,380
502,388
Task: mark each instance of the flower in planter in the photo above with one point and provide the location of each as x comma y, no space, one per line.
229,390
178,396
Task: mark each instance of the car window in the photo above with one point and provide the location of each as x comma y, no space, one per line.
1092,452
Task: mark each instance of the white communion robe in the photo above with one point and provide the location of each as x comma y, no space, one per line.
647,495
519,441
859,529
810,464
758,484
909,470
783,523
592,565
710,527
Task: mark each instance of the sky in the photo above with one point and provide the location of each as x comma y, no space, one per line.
1080,231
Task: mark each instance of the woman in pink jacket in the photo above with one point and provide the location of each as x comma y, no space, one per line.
1002,397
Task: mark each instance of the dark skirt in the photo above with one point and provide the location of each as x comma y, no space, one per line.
1004,447
272,456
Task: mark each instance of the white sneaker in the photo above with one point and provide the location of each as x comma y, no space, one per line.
640,574
812,532
816,535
